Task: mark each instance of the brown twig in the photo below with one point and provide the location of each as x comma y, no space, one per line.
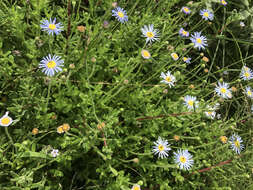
216,165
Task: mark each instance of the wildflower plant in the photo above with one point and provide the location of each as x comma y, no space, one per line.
90,102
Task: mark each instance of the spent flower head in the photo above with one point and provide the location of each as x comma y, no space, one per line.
136,187
174,56
51,27
145,54
223,139
51,64
183,159
120,14
161,148
150,33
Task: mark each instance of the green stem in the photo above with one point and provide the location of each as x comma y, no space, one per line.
48,94
9,137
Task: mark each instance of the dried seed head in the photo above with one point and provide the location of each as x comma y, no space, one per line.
176,137
35,131
81,28
205,59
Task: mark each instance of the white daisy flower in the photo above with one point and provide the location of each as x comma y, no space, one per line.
236,143
120,14
249,92
145,54
199,41
246,73
206,14
186,10
136,187
51,64
174,56
168,78
6,120
51,27
210,113
54,153
223,90
183,159
161,148
150,33
190,102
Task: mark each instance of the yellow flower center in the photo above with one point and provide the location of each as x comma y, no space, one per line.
223,2
145,53
136,188
237,143
186,9
168,79
160,147
199,40
51,26
185,58
5,121
223,90
175,56
246,74
65,127
182,159
51,64
120,14
184,32
206,14
190,102
150,34
249,93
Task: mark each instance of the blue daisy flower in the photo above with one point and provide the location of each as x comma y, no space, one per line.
187,59
236,143
186,10
51,64
183,33
206,14
120,14
51,27
199,41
